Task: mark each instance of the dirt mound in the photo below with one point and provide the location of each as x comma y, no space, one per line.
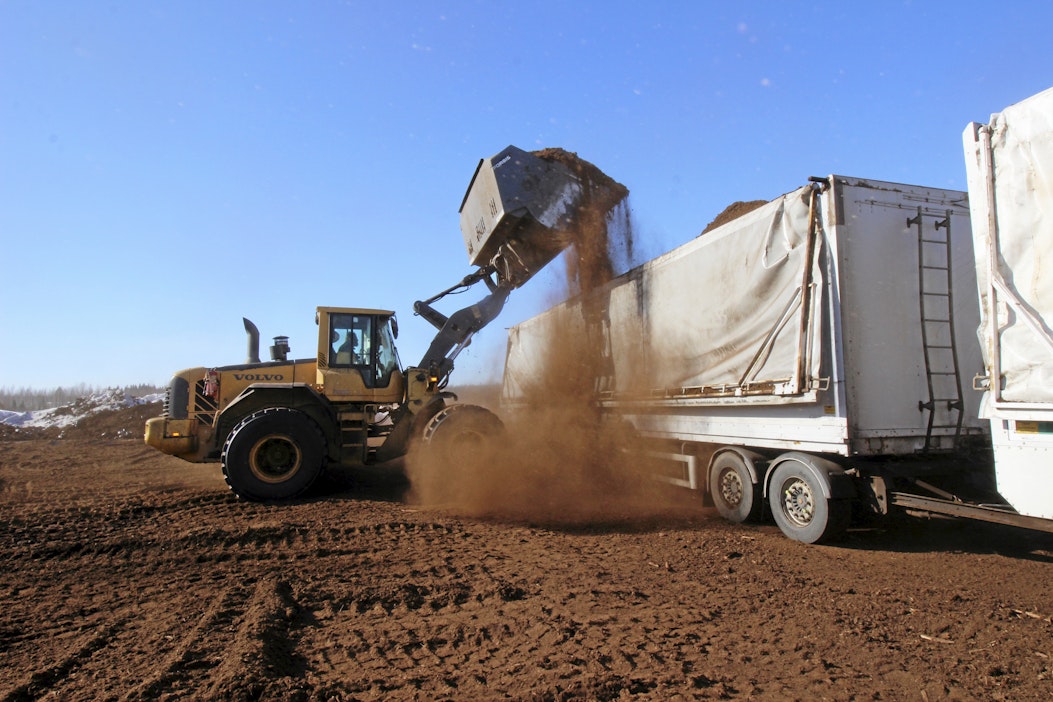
125,423
733,212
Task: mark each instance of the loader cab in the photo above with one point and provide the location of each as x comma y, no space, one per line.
357,359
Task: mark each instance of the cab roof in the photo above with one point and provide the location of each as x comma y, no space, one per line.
355,310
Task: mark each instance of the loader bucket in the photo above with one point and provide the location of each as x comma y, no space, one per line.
521,209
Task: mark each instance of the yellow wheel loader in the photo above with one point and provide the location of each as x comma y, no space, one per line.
276,425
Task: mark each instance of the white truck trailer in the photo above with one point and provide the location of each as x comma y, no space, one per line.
816,356
1009,163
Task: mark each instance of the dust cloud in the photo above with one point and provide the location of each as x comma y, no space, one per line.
560,460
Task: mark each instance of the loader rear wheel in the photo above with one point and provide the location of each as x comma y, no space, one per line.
460,433
731,486
800,508
273,454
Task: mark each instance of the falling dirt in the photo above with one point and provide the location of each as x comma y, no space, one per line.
130,575
590,263
557,462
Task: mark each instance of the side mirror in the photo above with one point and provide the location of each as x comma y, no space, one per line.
394,327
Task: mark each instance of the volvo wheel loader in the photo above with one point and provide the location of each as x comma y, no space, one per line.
275,425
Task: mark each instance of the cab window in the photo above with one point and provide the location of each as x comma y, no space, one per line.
351,339
387,356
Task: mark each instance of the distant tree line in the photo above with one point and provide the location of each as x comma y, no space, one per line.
30,399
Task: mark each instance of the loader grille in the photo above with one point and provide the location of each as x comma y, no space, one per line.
177,398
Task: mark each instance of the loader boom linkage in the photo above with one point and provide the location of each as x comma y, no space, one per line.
457,330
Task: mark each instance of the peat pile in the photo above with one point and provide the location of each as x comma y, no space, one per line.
100,424
733,212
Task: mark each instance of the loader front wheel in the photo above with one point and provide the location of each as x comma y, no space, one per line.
273,454
461,433
801,509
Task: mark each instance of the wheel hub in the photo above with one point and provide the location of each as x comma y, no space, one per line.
798,502
731,488
274,458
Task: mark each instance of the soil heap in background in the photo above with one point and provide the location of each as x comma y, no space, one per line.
733,211
558,460
103,425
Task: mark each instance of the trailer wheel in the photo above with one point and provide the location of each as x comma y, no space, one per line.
273,454
731,486
800,508
461,432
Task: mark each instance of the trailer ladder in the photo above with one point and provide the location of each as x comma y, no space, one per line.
936,298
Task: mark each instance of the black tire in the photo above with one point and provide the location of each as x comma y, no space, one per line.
273,454
799,507
731,486
461,433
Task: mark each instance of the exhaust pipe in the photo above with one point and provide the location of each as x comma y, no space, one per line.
254,341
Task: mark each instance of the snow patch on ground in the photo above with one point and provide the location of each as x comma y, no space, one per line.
69,415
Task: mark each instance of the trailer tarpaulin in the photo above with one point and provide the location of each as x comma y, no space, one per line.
742,333
1010,166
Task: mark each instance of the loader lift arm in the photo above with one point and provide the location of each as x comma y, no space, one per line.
457,330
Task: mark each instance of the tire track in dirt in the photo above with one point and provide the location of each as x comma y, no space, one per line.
40,682
473,624
262,660
39,521
344,596
190,652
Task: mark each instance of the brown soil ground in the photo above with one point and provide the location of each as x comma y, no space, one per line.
131,575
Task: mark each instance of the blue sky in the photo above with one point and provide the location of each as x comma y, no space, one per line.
169,167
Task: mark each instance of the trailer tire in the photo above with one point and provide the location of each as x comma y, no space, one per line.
800,507
273,454
731,485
